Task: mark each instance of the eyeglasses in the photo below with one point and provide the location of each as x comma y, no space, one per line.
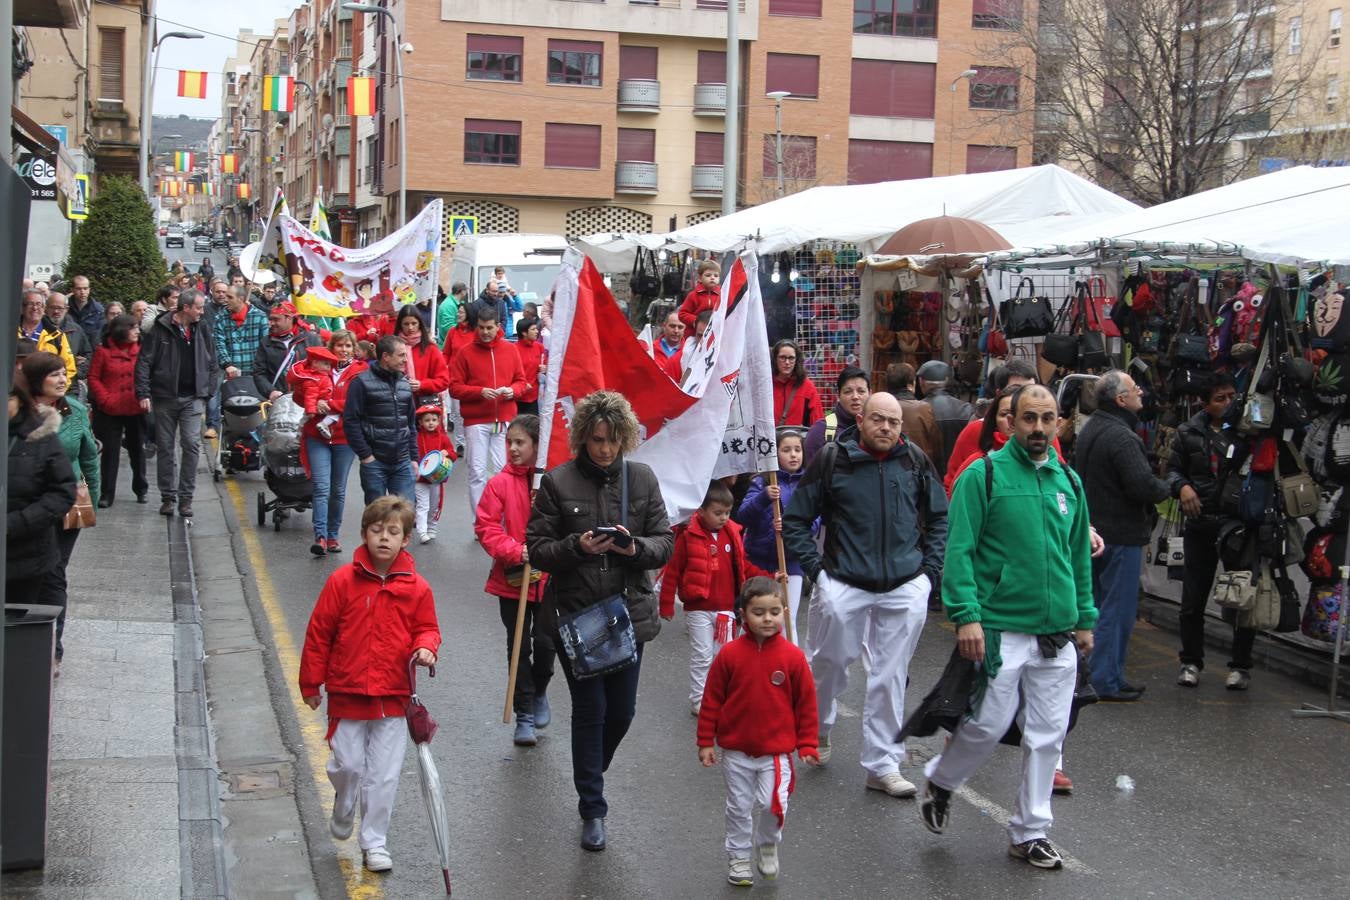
787,358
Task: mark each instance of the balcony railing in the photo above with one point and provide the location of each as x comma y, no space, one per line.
637,178
344,51
1252,123
640,95
706,181
342,121
710,99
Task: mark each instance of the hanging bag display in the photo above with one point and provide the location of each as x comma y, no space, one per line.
1091,338
1061,346
1299,491
1029,315
1258,410
1103,307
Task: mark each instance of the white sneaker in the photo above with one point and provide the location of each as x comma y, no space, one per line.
424,538
738,872
767,860
1238,680
892,783
1189,676
377,859
431,535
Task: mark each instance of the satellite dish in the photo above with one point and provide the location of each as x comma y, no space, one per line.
248,264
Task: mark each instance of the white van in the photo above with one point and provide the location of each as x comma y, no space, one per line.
532,262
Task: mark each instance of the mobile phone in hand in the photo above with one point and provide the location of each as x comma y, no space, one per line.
621,540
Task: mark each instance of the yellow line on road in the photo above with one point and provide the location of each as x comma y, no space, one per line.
313,725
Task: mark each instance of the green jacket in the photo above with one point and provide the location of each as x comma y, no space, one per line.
447,314
77,439
1022,561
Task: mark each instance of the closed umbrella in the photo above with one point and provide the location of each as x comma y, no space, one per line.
422,727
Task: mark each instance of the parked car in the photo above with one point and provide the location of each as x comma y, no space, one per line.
220,240
163,230
201,244
174,238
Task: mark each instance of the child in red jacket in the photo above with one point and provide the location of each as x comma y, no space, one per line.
503,513
707,569
371,618
431,436
760,705
705,294
311,383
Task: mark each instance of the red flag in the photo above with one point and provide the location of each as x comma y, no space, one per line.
596,350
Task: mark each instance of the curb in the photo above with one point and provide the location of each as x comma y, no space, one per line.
200,827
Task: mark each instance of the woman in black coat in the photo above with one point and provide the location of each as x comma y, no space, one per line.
585,568
41,490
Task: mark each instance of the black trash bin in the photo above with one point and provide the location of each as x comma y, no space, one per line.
25,766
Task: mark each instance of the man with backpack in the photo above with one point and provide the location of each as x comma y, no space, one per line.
885,514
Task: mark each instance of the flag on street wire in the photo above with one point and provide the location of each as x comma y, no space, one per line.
182,161
318,218
192,84
229,163
169,188
718,422
192,187
360,96
278,93
245,190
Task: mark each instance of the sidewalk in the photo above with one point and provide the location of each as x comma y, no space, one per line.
133,808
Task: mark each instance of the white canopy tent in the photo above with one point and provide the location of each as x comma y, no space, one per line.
867,214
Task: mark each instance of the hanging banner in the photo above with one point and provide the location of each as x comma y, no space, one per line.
328,280
229,163
182,161
361,96
278,93
192,85
245,190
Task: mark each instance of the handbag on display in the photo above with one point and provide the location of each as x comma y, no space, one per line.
1258,410
1103,307
1290,605
1027,316
1322,613
1090,329
81,514
1264,612
1234,590
1300,492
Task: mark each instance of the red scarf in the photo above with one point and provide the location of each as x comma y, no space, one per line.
240,316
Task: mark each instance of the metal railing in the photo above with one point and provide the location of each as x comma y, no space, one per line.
631,177
710,99
706,181
639,95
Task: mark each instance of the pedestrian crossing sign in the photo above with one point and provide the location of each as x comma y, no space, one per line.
461,226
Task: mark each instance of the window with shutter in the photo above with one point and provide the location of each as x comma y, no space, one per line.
637,145
708,148
712,67
796,73
806,8
990,159
882,87
111,73
491,142
872,161
637,62
1000,14
494,57
568,146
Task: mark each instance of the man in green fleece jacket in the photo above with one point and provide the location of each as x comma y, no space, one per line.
1018,585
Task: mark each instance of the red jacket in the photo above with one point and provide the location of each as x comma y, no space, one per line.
338,401
309,386
433,440
531,358
805,408
432,373
479,366
690,570
365,628
457,340
503,513
759,699
672,365
695,302
112,379
370,327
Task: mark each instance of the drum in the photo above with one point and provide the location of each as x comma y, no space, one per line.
435,467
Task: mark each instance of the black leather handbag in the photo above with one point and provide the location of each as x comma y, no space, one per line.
1027,316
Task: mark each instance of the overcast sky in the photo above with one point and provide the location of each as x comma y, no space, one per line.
220,22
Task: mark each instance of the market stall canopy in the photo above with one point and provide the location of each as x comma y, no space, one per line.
1297,215
867,214
945,235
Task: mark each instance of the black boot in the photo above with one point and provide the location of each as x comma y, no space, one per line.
593,834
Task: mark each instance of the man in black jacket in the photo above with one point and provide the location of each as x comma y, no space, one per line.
284,346
175,374
380,423
885,513
1121,492
952,414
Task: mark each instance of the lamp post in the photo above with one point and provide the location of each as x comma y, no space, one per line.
778,97
147,93
951,119
402,109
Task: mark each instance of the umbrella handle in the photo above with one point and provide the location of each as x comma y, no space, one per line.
412,673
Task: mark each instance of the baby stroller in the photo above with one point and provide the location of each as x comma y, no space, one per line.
282,470
240,416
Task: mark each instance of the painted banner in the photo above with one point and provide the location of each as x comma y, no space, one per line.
278,93
727,390
192,84
361,96
318,218
328,280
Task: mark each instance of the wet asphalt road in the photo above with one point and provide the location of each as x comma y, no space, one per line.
1234,797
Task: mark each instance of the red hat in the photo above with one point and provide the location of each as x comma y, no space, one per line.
284,308
322,353
430,408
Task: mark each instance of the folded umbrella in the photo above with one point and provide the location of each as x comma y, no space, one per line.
422,727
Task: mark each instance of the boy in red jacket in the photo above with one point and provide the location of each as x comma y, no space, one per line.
430,436
370,618
760,705
707,569
705,294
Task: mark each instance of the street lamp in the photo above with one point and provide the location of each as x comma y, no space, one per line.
951,119
402,109
147,91
166,137
778,97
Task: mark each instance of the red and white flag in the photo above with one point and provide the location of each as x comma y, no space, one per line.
718,422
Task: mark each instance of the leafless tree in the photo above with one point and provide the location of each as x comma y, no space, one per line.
1155,99
759,183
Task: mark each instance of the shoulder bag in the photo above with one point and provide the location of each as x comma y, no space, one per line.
1091,338
1061,348
1299,491
1258,410
1234,590
1028,316
1264,612
599,639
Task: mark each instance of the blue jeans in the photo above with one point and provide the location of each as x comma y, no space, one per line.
213,411
1115,587
602,710
379,478
329,466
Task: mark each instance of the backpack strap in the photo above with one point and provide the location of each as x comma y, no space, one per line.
831,426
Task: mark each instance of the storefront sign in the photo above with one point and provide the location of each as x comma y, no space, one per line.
39,173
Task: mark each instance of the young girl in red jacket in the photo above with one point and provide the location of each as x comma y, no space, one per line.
503,513
706,569
371,618
430,494
532,357
760,705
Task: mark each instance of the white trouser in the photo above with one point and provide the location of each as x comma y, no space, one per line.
1044,690
765,782
480,442
708,633
365,765
794,592
428,506
891,623
456,420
